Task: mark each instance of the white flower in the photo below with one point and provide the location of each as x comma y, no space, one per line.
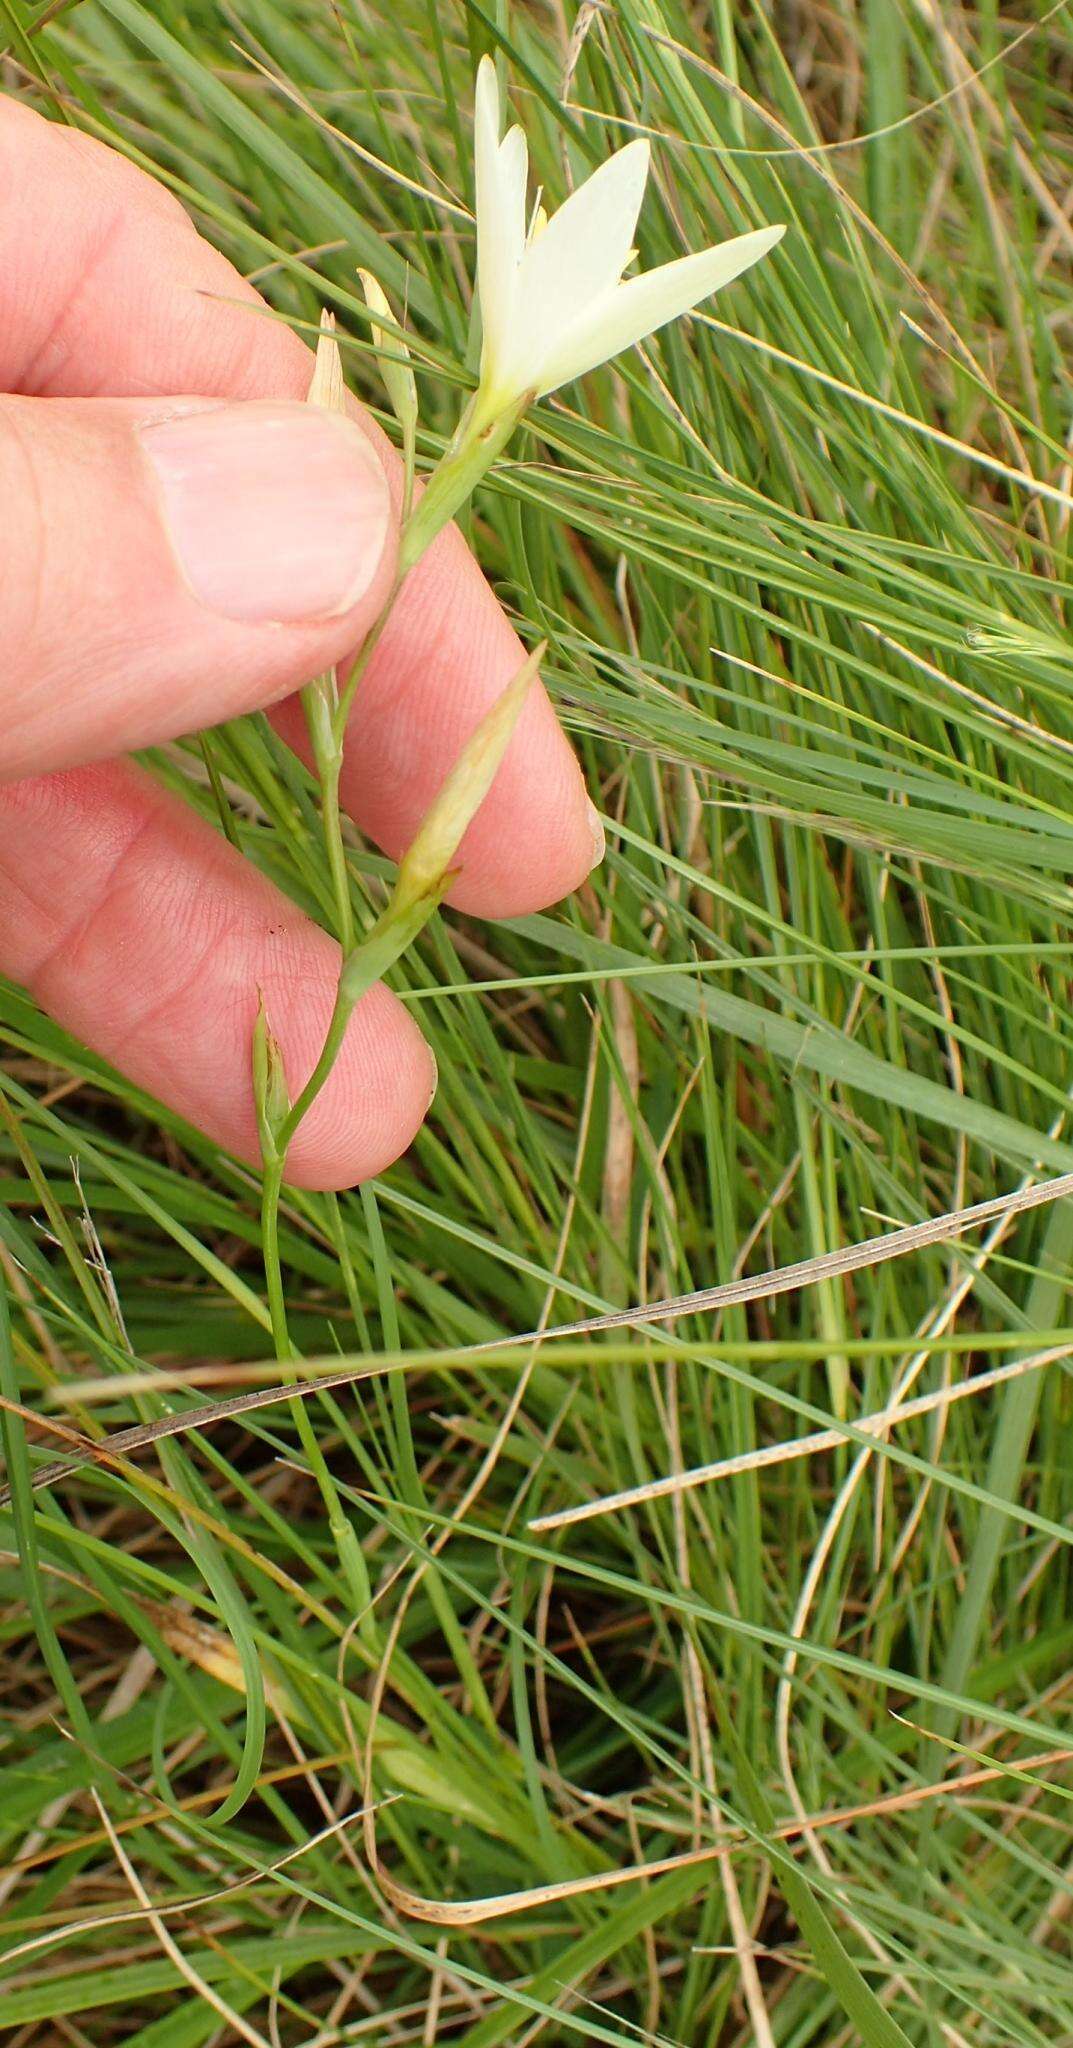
554,304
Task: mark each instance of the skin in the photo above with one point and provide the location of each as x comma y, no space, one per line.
131,921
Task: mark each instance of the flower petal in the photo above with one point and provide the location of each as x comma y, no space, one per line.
500,171
630,311
581,254
486,126
514,173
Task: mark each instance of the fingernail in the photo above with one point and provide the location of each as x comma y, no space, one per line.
275,512
599,841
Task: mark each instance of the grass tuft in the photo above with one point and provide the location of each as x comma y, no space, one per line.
782,1757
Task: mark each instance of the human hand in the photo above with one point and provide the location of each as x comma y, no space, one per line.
183,541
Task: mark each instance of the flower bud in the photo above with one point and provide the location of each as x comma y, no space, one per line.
425,868
399,381
270,1096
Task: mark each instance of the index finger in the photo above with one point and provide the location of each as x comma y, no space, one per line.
132,301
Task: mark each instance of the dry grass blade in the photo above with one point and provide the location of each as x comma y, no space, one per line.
872,1251
230,2019
500,1906
853,1258
875,1424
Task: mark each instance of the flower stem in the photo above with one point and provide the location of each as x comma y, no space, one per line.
326,1059
360,664
328,705
271,1186
480,438
348,1549
366,963
320,702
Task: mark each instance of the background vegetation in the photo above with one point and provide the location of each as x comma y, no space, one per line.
804,568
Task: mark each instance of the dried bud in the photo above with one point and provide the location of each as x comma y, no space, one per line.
328,385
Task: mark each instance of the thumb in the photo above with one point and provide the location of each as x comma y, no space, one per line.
168,564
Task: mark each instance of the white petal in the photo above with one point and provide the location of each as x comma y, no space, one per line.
631,311
486,122
582,252
514,173
500,171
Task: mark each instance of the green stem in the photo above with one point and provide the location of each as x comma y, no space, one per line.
476,444
328,707
326,1059
409,469
271,1187
360,664
347,1548
477,441
364,965
331,817
320,701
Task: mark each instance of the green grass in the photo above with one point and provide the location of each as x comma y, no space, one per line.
804,568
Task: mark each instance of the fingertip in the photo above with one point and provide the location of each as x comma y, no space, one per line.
146,934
